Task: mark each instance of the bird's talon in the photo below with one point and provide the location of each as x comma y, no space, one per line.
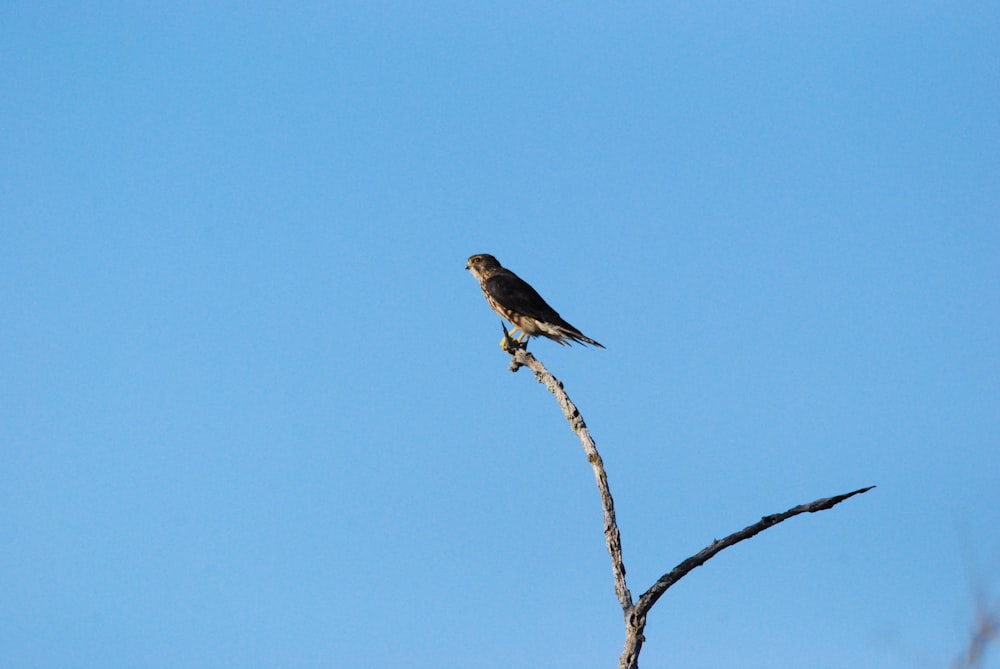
511,345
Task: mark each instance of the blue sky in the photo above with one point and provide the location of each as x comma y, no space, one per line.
253,410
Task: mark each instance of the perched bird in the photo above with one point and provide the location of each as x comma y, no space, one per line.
516,301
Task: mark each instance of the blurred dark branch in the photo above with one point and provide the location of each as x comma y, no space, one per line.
986,630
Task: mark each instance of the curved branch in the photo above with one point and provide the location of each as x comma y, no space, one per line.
680,571
635,614
521,358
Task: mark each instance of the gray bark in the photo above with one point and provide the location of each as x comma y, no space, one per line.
635,613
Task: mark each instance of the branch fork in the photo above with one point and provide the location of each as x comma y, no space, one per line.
635,613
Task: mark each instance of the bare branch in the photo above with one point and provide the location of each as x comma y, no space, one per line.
635,614
521,358
680,571
986,630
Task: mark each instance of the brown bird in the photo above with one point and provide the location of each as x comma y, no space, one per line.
517,302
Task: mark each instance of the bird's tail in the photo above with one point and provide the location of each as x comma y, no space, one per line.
564,331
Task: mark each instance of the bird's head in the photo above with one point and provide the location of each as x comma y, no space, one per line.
481,264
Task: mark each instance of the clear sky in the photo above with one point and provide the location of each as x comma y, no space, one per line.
252,408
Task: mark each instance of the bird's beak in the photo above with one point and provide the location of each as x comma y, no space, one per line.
466,265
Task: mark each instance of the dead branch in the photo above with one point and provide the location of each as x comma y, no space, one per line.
635,614
680,571
986,629
521,358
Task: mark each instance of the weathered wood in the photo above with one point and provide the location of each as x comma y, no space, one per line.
635,614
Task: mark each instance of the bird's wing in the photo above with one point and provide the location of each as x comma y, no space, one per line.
515,294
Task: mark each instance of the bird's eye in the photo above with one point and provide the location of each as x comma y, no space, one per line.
476,259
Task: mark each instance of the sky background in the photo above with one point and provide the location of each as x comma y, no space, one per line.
252,408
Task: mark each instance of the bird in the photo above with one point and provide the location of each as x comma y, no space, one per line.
517,302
